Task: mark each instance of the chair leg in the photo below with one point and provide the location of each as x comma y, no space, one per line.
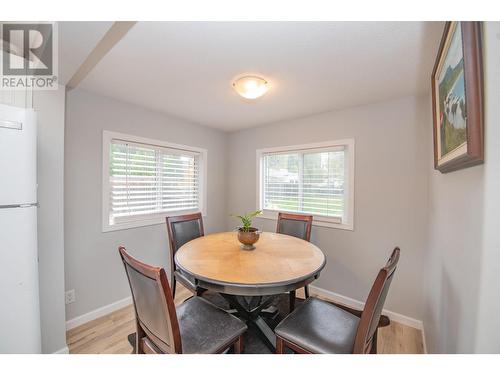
306,291
292,300
373,349
238,345
280,345
139,334
173,283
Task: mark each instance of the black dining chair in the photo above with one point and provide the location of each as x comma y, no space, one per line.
196,326
321,327
298,226
182,229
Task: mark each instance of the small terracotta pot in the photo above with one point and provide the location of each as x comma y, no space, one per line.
248,238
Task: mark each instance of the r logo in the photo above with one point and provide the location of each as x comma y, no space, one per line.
32,42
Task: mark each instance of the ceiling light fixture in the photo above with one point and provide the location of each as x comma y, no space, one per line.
250,87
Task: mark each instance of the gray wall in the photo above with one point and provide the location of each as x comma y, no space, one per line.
453,259
92,262
49,106
487,339
392,159
462,270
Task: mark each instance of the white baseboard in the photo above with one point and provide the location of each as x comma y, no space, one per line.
400,318
64,350
97,313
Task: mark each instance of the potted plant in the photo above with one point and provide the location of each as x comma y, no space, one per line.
247,234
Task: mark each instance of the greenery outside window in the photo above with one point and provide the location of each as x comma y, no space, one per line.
146,180
315,179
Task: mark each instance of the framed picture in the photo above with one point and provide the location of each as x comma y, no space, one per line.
457,98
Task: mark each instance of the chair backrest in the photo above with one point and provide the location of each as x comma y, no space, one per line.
374,305
182,229
295,225
154,306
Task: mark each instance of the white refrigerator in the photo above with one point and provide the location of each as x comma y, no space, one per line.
19,296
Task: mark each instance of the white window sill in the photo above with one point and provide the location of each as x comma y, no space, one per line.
143,222
271,215
132,224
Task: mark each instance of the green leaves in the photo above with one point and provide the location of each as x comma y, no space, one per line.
246,219
251,215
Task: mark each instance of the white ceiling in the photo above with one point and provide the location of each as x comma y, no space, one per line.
76,41
186,69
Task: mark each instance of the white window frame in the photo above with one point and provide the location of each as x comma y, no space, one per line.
150,219
347,221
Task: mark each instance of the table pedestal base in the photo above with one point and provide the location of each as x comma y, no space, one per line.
252,313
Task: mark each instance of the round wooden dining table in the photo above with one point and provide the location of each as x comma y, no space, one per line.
278,264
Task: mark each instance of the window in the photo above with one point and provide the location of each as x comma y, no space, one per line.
145,180
316,179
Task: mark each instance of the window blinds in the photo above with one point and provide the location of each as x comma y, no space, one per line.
151,180
306,181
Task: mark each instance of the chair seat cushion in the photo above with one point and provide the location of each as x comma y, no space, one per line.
320,327
205,328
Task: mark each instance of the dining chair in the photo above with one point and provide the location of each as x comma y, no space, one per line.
182,229
322,327
196,326
298,226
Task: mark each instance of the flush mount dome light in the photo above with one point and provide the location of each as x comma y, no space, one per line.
250,87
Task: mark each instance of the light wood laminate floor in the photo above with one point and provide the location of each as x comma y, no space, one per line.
108,334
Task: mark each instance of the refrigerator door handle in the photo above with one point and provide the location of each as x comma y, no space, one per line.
24,205
16,125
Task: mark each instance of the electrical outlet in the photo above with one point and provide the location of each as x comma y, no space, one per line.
70,296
